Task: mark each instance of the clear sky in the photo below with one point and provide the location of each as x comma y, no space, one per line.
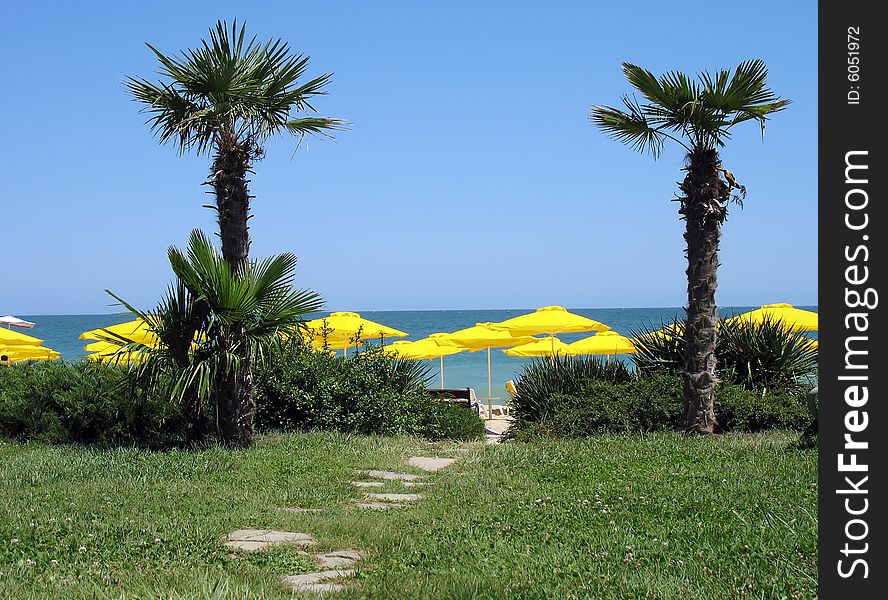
472,177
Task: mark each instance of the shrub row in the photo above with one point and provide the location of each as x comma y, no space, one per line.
642,404
85,403
297,388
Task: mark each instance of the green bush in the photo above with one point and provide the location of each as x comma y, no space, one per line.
636,406
543,379
758,356
764,356
298,388
446,421
654,403
740,409
88,403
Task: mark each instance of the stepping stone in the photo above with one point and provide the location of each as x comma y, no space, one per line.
299,509
339,558
389,475
430,464
492,439
394,497
377,505
417,483
322,581
257,539
367,484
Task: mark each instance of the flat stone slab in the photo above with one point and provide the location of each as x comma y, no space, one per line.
394,497
321,581
430,464
339,558
377,505
367,484
498,426
257,539
390,475
299,509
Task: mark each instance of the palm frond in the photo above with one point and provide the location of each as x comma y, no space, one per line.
230,85
631,127
699,111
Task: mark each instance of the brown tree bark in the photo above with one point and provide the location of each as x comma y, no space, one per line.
229,181
235,403
704,208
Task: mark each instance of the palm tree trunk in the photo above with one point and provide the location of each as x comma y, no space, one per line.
229,182
704,209
235,403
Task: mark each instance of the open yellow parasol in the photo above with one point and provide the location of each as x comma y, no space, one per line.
794,319
424,349
14,338
482,337
549,320
136,331
348,328
605,342
547,346
24,352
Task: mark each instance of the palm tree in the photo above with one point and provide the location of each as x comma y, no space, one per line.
698,115
228,97
215,322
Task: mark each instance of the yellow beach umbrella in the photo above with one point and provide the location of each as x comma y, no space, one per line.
349,326
135,331
115,357
811,344
425,349
606,342
482,337
14,338
795,319
549,320
547,346
24,352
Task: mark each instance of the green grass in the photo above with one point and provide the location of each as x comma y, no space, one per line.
608,517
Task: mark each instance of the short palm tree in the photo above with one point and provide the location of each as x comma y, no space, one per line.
228,97
698,114
214,323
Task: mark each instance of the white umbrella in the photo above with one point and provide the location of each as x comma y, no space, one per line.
11,322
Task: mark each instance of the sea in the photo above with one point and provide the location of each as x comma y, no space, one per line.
467,369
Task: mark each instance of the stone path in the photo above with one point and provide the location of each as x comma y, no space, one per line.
390,475
321,581
337,565
430,464
495,428
259,539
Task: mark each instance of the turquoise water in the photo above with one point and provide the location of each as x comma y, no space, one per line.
460,370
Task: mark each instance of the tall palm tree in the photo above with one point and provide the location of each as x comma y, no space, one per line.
228,97
212,325
698,114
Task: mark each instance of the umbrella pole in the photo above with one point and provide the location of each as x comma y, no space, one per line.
442,372
489,389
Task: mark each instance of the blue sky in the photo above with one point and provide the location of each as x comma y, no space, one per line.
471,177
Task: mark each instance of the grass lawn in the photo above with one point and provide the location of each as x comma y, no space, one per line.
612,517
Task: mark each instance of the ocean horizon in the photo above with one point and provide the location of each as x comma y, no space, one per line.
467,369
